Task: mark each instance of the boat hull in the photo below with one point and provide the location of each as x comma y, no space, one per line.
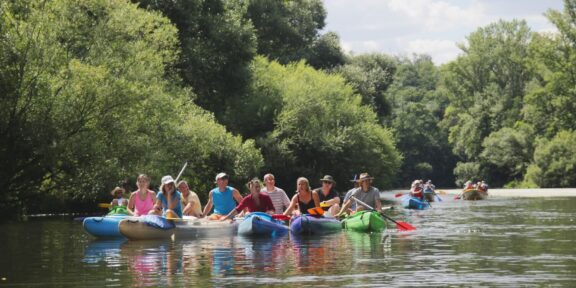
309,225
261,224
474,195
410,202
148,227
365,221
103,227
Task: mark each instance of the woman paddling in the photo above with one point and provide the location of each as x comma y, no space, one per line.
142,200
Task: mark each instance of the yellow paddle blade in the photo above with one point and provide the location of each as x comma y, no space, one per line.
104,205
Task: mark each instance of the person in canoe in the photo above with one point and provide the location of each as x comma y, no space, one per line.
365,193
482,186
279,198
256,201
119,200
429,191
223,198
190,201
350,192
142,201
305,199
328,196
416,189
168,200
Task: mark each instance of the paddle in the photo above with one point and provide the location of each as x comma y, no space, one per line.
402,226
174,216
104,205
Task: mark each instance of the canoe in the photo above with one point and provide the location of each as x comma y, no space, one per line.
261,224
473,194
410,202
146,227
309,225
364,221
104,226
191,227
430,197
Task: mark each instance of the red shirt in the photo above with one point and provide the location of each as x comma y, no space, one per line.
248,202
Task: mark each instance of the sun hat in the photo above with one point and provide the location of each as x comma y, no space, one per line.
221,175
328,178
167,180
117,189
364,176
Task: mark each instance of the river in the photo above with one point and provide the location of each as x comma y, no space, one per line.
499,242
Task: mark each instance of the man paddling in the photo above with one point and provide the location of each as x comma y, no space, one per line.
365,193
223,198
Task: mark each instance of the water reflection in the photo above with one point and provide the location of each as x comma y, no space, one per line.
107,251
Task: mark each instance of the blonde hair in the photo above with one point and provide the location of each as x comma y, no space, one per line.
252,182
143,176
303,179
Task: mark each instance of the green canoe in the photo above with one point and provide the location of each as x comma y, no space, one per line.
365,221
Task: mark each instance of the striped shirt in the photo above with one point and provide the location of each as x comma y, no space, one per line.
279,199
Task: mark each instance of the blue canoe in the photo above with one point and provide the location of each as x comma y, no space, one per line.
310,225
104,226
261,224
410,202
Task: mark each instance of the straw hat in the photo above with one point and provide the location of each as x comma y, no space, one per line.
328,178
117,189
364,176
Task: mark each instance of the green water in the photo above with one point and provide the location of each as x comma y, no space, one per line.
500,242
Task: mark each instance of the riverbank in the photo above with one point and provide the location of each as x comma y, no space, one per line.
523,193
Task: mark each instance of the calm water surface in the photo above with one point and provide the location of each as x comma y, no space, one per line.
500,242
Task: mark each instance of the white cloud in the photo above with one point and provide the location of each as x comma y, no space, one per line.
441,51
439,15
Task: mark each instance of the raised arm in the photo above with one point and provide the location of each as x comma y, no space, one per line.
208,206
293,204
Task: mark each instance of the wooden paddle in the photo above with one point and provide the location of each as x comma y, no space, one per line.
402,226
104,205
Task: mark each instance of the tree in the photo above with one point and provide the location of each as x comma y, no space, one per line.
321,127
326,52
554,162
486,87
90,103
370,75
217,44
286,30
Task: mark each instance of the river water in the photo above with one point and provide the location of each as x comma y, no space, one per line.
499,242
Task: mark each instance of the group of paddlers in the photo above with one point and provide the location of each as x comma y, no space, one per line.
480,186
175,200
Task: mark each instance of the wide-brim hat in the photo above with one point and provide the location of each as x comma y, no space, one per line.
364,176
117,189
327,178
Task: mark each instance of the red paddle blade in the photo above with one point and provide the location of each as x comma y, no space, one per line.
398,195
403,226
281,217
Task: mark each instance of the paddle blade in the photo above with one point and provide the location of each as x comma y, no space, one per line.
104,205
281,217
398,195
403,226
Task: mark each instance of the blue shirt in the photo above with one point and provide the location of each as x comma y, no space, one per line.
176,196
223,200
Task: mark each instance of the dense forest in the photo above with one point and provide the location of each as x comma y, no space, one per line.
94,92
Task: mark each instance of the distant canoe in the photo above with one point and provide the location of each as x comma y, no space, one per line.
473,194
415,203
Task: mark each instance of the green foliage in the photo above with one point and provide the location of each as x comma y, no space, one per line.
286,30
485,87
370,75
326,52
322,128
550,103
554,162
217,44
90,104
466,171
416,111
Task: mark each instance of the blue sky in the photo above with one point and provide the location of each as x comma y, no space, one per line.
433,27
